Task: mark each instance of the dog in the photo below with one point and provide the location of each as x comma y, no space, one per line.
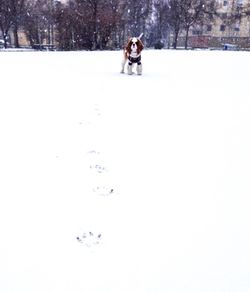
132,54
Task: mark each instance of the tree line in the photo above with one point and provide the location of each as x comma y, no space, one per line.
106,24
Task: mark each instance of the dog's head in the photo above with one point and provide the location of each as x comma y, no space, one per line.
134,45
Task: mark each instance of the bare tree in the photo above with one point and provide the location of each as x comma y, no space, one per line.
111,23
160,26
17,10
238,11
174,16
6,19
197,12
136,15
89,24
65,21
181,15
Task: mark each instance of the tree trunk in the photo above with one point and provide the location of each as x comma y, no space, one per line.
95,28
16,39
186,38
176,34
5,38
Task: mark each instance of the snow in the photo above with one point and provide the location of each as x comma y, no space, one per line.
112,182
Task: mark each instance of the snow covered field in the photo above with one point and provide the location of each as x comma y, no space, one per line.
117,183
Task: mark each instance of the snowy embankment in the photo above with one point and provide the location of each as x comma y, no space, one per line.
117,183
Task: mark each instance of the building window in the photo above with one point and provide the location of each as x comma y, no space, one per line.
237,26
209,27
223,15
222,27
239,3
197,32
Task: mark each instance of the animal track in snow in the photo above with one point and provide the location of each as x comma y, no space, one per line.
98,168
89,239
104,191
93,152
97,109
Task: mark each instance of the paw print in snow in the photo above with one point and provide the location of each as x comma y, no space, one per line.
89,239
94,152
104,191
98,168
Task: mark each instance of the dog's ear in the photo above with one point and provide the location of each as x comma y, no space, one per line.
140,45
128,46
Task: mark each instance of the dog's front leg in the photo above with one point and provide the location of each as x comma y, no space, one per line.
130,68
139,68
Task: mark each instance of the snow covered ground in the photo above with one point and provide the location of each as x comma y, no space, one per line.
117,183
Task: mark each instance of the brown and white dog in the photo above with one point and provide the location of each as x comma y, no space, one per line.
132,54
